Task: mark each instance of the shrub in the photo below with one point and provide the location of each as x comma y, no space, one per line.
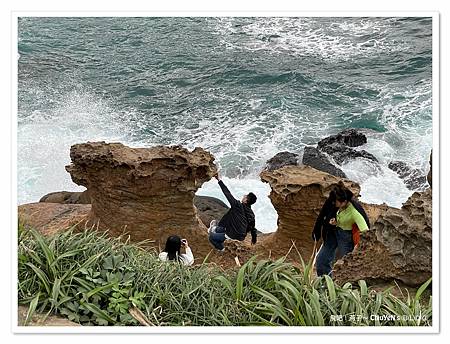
93,279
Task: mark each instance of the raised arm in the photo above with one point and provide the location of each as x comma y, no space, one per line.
233,201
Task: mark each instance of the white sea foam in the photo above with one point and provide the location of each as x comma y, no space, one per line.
44,140
307,37
244,129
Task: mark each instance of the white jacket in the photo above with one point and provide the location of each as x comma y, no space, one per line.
186,258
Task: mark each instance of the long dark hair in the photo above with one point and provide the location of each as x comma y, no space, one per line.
342,192
173,246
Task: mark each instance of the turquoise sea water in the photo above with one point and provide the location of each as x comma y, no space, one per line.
243,88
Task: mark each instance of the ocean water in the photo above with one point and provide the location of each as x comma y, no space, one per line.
243,88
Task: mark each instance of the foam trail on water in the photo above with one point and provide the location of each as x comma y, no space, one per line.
265,214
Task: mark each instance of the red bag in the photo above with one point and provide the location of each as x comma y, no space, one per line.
355,235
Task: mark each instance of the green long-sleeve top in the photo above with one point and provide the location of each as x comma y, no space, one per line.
347,217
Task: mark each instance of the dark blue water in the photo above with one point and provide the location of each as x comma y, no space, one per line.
244,88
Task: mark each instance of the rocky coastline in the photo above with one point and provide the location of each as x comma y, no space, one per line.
149,193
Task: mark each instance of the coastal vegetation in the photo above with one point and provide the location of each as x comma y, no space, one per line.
94,279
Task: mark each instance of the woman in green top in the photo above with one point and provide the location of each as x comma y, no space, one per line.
348,213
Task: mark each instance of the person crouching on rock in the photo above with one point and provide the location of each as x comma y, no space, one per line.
172,251
341,219
236,223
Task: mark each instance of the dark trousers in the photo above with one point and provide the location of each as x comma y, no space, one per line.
217,238
337,239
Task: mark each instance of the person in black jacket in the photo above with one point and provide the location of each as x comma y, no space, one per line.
328,231
236,223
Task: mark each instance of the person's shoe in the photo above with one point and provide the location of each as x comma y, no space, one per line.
212,226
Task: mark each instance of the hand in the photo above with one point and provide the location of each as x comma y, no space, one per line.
217,176
333,221
184,242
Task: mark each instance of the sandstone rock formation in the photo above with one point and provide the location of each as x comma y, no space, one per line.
413,177
50,218
145,192
208,208
67,197
318,160
298,193
399,246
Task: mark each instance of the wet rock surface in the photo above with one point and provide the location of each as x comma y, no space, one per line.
412,177
282,159
315,158
349,137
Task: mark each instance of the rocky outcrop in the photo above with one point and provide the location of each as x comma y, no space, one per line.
50,218
67,197
318,160
298,194
209,208
430,174
282,159
145,192
349,137
412,177
399,246
341,146
342,154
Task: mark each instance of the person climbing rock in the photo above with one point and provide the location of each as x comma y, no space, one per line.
236,223
339,222
172,251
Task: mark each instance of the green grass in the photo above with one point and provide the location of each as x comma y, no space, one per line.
93,279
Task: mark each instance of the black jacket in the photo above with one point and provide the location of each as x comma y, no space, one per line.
239,220
329,211
322,225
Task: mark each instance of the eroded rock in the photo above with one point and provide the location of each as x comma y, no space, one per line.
341,146
399,246
318,160
145,192
412,177
298,194
349,137
282,159
210,208
67,197
342,154
50,218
